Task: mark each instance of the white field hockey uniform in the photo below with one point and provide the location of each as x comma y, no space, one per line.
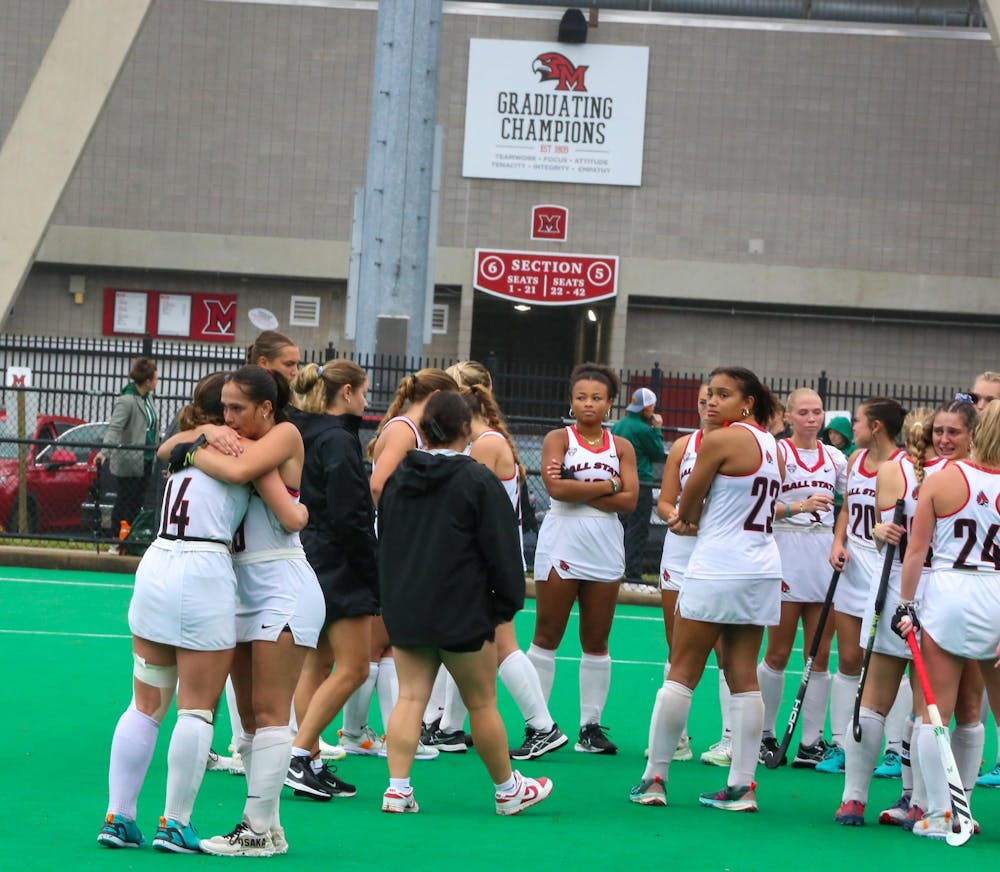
734,574
804,540
863,558
960,608
886,641
577,540
276,586
512,487
416,435
677,549
185,586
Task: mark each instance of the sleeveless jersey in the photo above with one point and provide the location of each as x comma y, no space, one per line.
588,464
511,485
967,539
413,428
911,487
261,536
677,549
859,502
822,469
197,507
735,536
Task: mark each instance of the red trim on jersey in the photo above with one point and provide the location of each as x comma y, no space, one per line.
760,451
968,488
986,469
860,465
820,461
604,446
697,440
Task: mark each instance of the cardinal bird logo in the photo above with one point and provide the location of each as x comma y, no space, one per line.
552,66
666,575
563,565
770,459
982,499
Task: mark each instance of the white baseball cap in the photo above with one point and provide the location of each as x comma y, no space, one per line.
640,399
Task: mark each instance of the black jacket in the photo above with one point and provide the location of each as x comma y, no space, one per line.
339,539
449,556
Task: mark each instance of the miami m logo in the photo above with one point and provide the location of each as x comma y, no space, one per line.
554,67
220,318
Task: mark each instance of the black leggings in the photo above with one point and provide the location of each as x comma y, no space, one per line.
128,501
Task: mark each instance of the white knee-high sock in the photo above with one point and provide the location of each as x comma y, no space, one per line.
967,742
906,754
772,686
896,719
435,704
186,759
725,699
454,714
272,749
132,748
919,795
666,675
861,757
387,688
747,711
234,710
814,706
521,680
244,744
595,681
544,662
358,703
938,795
670,717
845,689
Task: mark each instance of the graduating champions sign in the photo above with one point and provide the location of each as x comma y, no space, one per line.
554,112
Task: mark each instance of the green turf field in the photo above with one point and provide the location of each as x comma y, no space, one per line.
65,648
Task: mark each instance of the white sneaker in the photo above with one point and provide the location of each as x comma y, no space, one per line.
241,842
278,838
217,763
396,802
526,793
720,754
683,751
934,826
330,752
368,744
236,764
425,752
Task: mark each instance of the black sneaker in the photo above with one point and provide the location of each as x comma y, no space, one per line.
769,745
539,742
428,730
332,784
593,741
809,755
450,742
305,782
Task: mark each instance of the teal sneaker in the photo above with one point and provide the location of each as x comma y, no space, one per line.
174,838
989,779
732,798
890,767
120,832
649,791
833,761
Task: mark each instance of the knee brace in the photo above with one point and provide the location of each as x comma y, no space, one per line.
164,678
204,714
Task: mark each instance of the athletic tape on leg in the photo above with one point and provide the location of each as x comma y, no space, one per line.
164,678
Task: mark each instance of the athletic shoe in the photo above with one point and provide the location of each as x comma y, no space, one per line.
452,742
334,785
217,763
236,764
720,754
833,761
809,755
526,793
895,814
330,752
241,842
683,752
989,779
649,791
301,778
368,744
851,813
934,826
397,802
278,840
120,832
769,745
424,752
593,741
914,815
173,838
732,798
890,767
539,742
428,730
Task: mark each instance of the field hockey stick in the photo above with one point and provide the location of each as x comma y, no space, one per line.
959,801
898,517
775,757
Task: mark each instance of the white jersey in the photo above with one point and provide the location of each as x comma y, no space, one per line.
859,502
512,485
735,536
199,508
677,549
588,464
413,428
820,470
911,487
967,539
261,536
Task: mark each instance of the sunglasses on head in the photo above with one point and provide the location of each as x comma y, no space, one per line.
967,398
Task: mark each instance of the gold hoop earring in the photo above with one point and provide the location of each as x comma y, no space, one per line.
745,413
572,414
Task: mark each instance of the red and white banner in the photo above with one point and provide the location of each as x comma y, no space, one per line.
541,279
549,222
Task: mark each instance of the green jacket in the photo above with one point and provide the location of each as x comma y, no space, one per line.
646,440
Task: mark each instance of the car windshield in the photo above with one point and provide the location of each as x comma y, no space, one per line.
89,434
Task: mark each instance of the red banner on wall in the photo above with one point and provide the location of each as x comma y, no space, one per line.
541,279
170,315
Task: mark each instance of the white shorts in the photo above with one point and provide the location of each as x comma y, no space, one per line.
584,548
754,601
185,596
805,565
274,594
961,612
677,552
886,641
854,589
670,580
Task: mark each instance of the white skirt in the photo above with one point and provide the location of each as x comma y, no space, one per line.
854,588
805,565
670,580
185,597
886,641
960,611
731,600
585,548
274,594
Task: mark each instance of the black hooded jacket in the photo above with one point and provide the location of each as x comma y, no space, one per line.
450,565
339,539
